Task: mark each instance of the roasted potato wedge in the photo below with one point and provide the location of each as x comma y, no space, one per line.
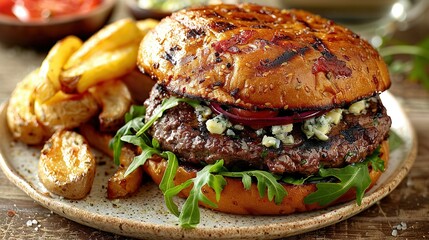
111,37
67,166
115,100
97,139
67,111
21,119
120,186
52,67
101,67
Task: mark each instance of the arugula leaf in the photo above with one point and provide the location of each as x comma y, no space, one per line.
135,111
167,181
147,152
294,180
134,121
266,183
135,125
166,104
352,176
189,216
376,162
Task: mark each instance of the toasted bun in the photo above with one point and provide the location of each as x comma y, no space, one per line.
235,199
261,57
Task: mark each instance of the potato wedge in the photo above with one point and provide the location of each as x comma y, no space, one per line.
119,186
52,67
115,100
101,67
67,111
21,118
97,139
111,37
67,166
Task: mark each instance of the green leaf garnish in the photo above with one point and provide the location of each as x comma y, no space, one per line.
266,183
135,111
295,180
353,176
166,104
140,160
376,162
189,216
133,122
167,181
135,125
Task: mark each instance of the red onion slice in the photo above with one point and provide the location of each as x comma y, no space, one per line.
264,122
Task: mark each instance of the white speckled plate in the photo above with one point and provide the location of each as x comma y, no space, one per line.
145,216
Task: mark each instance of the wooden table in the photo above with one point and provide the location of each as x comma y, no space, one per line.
407,204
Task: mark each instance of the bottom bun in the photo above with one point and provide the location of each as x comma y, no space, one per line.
235,199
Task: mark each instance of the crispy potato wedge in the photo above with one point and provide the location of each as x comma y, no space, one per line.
115,100
97,139
67,166
52,67
120,186
67,111
111,37
21,119
101,67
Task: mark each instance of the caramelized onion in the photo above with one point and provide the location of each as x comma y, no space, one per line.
269,121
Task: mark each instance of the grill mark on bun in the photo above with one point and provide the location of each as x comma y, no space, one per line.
318,45
171,54
195,33
285,57
306,24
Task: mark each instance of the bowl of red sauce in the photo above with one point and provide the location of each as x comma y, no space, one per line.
40,23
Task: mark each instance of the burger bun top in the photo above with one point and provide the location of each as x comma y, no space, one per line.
259,57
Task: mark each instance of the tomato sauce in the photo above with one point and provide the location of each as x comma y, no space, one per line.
42,10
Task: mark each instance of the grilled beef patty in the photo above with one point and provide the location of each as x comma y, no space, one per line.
354,138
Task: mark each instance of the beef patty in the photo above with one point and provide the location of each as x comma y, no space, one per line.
355,137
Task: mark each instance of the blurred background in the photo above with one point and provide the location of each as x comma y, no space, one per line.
373,19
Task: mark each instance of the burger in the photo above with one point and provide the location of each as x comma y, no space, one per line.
259,111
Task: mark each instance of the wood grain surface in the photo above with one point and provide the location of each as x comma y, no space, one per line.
407,204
